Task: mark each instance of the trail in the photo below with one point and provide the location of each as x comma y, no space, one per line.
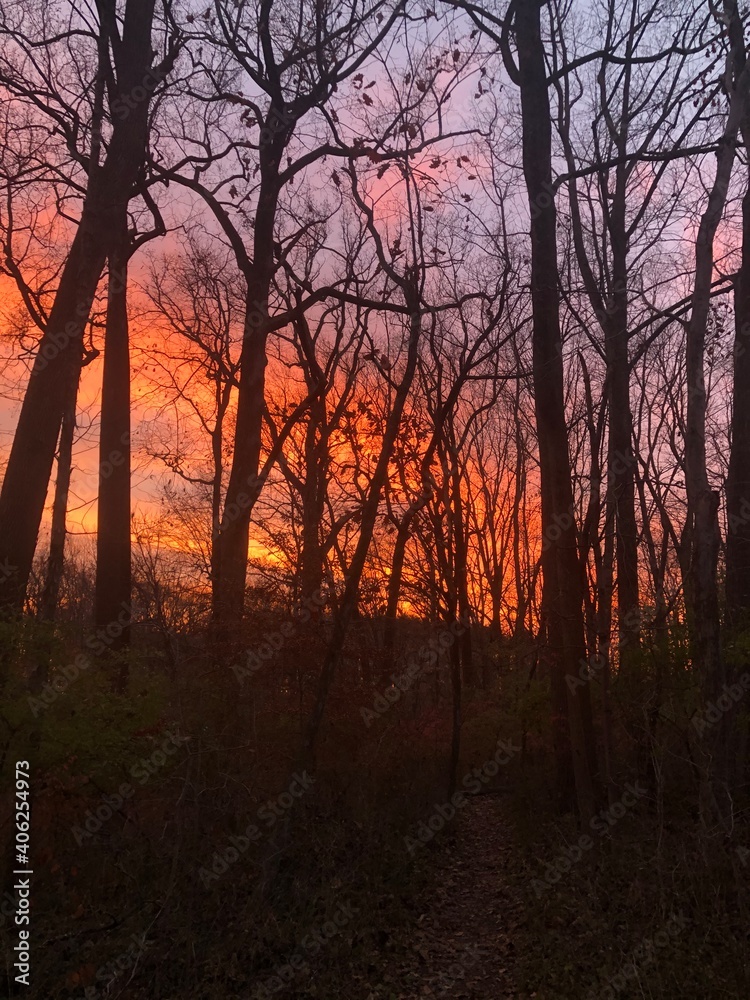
463,947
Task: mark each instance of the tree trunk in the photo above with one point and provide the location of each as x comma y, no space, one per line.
113,550
620,458
217,443
348,604
738,477
312,567
244,487
461,571
519,489
29,466
58,532
702,537
563,595
456,690
58,360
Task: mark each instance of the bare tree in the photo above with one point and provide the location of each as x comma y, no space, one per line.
34,54
292,76
701,535
738,476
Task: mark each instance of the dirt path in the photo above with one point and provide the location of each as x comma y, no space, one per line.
463,945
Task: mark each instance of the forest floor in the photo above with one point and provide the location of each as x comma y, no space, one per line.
628,922
499,904
464,943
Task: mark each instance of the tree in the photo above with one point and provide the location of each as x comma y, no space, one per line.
701,536
195,292
124,56
563,597
292,75
113,562
738,476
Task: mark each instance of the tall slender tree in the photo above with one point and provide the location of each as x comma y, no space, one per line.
738,474
113,563
125,53
701,536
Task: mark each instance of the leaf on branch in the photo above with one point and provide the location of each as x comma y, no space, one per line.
366,99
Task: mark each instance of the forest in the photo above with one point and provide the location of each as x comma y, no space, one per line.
375,506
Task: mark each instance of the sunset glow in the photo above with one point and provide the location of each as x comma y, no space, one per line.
375,502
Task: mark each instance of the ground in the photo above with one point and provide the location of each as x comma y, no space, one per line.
464,941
